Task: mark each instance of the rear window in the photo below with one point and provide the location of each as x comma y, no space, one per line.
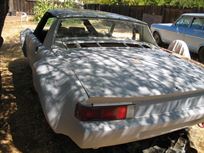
96,32
74,27
198,23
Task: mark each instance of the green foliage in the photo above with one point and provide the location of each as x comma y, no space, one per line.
178,3
117,2
43,5
187,3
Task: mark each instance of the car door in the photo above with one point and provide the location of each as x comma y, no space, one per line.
194,36
34,40
180,28
32,45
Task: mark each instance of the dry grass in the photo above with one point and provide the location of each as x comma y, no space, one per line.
23,128
197,137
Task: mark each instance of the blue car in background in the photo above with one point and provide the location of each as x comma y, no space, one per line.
189,27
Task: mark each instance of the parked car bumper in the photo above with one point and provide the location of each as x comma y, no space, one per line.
101,134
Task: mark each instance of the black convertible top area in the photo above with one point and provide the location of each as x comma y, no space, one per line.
85,13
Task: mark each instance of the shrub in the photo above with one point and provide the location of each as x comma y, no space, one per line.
42,6
177,3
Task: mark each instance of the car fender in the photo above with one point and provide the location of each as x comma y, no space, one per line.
155,29
164,29
23,35
158,31
58,89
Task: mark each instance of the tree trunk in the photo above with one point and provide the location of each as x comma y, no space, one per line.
3,12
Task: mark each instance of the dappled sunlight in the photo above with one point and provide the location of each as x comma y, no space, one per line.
28,126
8,105
56,87
121,72
196,136
23,127
6,144
126,72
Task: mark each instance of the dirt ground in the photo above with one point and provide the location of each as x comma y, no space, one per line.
23,128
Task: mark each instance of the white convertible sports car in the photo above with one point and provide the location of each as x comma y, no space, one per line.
102,80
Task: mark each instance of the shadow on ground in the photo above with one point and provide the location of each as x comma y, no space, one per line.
29,129
32,134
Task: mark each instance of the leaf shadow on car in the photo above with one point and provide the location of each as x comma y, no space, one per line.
31,132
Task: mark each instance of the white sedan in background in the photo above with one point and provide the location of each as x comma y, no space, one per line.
189,27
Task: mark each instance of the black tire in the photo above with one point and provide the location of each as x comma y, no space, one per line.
201,55
157,37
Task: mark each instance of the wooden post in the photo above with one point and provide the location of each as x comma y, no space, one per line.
4,10
11,7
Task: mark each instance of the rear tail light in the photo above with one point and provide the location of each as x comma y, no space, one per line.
85,113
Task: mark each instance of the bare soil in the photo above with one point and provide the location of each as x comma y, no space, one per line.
23,128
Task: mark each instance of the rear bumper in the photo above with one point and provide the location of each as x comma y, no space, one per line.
100,134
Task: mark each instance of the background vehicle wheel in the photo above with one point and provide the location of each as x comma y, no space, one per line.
201,55
157,37
1,41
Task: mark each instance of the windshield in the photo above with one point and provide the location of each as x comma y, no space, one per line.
101,31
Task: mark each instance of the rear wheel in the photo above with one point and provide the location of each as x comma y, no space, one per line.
157,37
201,55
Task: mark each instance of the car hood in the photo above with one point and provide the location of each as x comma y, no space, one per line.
127,72
162,25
